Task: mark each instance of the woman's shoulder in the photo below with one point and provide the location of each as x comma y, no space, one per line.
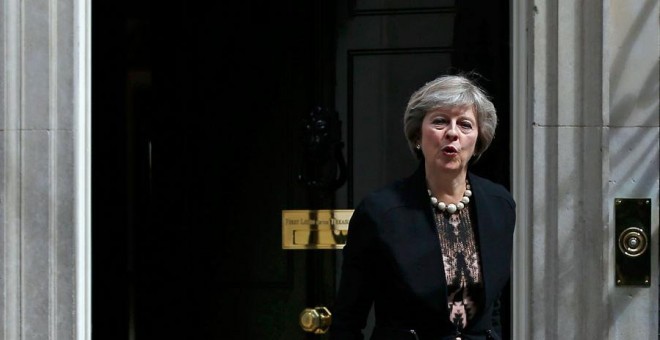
385,193
391,195
490,187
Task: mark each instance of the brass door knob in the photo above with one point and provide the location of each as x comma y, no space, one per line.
316,320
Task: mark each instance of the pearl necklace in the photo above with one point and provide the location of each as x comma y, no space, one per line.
452,208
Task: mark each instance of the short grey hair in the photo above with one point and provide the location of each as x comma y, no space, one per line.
448,92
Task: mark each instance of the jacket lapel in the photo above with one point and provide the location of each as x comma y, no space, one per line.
487,249
418,198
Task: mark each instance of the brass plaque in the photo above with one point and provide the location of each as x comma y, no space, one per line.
315,229
632,236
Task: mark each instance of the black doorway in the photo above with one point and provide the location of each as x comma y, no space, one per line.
195,152
196,113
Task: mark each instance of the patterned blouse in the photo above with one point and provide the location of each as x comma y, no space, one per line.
460,256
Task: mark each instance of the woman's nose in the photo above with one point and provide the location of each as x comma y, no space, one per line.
452,131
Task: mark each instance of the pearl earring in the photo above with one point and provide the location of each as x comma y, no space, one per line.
419,147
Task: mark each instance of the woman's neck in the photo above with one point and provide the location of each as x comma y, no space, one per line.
447,186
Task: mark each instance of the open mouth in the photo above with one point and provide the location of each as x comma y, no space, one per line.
450,150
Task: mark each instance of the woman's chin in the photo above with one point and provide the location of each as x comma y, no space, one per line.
450,167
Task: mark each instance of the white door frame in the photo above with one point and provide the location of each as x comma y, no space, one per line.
520,166
82,163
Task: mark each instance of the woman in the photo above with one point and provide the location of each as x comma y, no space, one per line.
432,252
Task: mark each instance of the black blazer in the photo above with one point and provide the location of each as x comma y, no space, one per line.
392,258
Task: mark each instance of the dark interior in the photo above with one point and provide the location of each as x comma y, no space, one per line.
196,113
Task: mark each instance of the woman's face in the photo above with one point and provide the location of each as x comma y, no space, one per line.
449,137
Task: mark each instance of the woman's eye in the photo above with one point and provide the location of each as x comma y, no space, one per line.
439,121
466,125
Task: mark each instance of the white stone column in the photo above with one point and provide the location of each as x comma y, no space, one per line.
590,117
632,45
44,152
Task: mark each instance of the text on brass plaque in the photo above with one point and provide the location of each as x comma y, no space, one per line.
315,229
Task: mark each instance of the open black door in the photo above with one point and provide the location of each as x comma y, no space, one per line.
388,49
198,117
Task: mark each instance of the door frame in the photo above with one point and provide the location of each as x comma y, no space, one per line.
520,167
82,93
521,164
